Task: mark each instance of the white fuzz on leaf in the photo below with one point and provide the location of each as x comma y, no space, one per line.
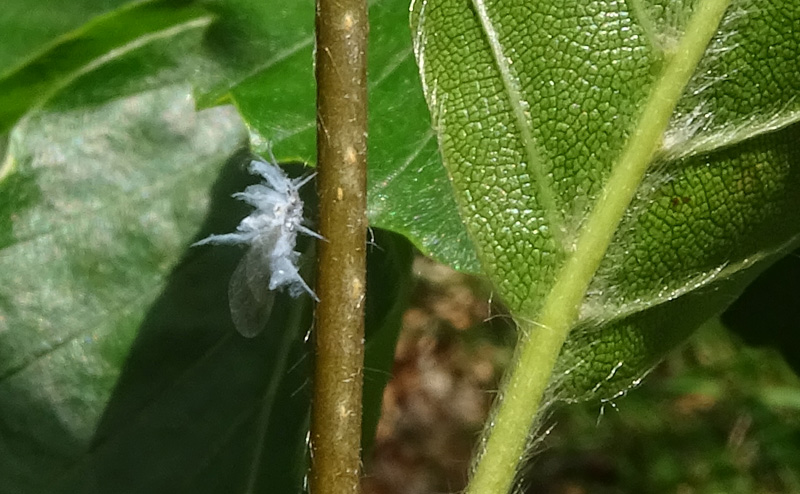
271,232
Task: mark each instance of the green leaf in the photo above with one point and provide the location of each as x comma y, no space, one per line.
534,106
28,27
626,168
409,194
408,191
120,370
137,46
262,56
753,228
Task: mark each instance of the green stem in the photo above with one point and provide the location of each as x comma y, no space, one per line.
531,373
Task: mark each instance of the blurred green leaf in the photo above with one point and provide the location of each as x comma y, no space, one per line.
28,27
532,106
259,55
134,45
121,371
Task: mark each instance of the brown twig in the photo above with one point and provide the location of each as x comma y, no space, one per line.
341,27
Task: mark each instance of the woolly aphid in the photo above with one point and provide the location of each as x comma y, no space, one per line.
271,232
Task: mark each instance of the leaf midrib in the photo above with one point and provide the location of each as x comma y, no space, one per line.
531,373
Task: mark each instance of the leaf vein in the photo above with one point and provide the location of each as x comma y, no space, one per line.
546,195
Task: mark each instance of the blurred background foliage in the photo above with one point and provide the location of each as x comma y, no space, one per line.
717,416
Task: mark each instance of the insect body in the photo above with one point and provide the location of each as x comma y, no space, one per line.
271,232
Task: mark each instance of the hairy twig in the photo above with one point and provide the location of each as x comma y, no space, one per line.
341,27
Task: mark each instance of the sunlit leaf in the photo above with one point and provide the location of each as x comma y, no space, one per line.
533,105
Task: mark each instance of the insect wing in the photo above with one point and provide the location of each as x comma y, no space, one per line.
249,295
